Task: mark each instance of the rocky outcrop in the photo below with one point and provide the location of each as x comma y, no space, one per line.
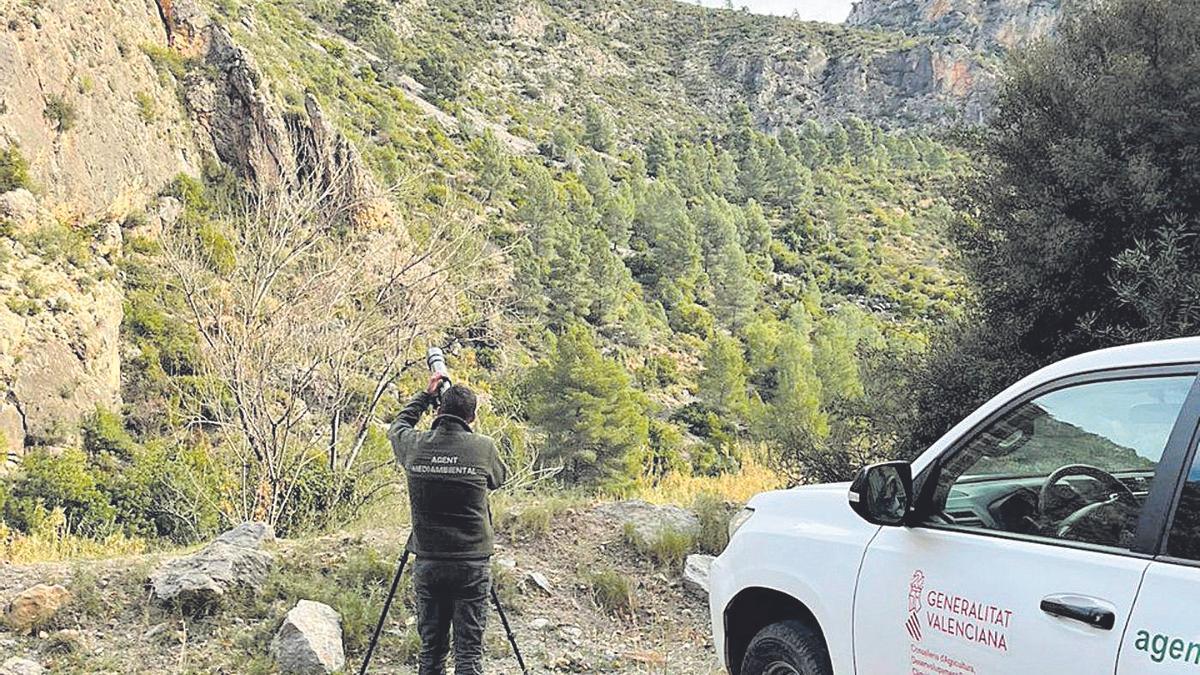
59,325
244,125
310,640
984,25
34,606
234,561
647,522
98,125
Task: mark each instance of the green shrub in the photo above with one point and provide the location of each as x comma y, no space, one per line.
166,60
47,481
60,112
217,248
668,548
147,108
104,434
24,306
60,242
611,591
714,523
14,170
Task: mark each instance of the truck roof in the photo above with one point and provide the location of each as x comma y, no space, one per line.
1162,352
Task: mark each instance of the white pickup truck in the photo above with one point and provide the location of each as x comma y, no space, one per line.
1055,530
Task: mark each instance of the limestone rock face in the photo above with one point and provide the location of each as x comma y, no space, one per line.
235,560
991,25
72,76
310,640
59,336
35,606
649,521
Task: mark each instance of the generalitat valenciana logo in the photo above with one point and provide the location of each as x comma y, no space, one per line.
915,587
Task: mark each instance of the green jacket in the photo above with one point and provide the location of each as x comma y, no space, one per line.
450,470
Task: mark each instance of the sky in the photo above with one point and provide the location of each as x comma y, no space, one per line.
816,10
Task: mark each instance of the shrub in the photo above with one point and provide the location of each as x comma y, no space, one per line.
104,434
14,170
714,523
166,60
63,481
147,108
668,548
60,112
611,591
60,242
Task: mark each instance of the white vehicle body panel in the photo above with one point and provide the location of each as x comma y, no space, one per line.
808,543
1164,631
977,605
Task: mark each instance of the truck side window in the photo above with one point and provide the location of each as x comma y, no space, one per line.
1075,463
1184,538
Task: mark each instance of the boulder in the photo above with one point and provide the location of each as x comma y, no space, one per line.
310,640
249,535
649,521
19,207
35,606
235,560
19,666
695,572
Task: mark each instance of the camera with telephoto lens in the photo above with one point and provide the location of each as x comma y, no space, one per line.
437,364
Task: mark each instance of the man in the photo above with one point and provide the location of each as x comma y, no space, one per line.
450,470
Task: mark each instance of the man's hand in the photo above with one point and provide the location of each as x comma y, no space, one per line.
435,383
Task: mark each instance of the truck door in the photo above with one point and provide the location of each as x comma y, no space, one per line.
1022,556
1163,636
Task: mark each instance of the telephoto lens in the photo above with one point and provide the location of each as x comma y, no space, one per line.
437,364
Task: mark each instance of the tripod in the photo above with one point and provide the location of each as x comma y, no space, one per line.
387,604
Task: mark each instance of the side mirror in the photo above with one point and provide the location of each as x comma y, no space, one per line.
882,493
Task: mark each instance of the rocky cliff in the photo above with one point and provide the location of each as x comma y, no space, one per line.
107,102
985,25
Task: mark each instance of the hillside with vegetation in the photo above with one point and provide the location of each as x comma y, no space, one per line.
684,254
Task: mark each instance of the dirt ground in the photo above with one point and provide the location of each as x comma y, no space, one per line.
111,626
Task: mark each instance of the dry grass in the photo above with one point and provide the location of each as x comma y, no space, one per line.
55,543
683,489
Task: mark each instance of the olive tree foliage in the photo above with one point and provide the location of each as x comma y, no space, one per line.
314,307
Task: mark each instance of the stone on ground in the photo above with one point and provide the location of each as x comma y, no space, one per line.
19,666
35,606
649,521
310,640
695,572
234,560
539,581
249,535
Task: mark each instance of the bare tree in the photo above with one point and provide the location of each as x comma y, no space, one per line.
309,305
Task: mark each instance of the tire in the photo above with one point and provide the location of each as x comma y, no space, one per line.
787,648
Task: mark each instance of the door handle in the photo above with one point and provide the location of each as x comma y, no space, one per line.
1080,608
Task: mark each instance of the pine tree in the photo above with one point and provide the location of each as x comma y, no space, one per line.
723,384
493,167
592,416
597,129
660,152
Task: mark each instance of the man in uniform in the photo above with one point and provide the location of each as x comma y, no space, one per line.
450,471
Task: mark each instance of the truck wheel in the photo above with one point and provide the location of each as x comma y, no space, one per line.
787,648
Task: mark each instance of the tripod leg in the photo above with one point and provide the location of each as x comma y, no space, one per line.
512,639
387,604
